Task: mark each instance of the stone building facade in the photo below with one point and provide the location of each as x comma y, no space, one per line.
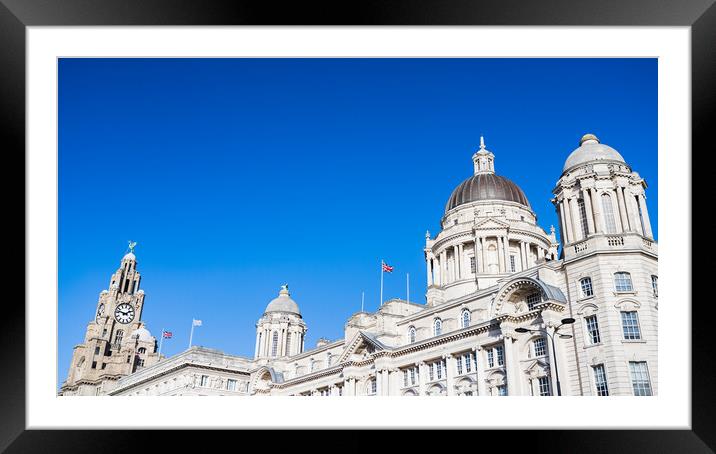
509,310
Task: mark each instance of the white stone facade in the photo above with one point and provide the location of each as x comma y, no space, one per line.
500,298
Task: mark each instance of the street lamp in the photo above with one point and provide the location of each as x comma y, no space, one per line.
565,321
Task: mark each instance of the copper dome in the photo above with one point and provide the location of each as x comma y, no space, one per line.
486,186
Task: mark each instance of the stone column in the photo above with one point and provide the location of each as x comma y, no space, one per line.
422,377
563,223
626,225
597,206
506,250
617,220
645,216
588,209
540,253
456,263
523,256
444,277
500,255
258,339
633,210
461,262
482,255
568,220
512,368
428,262
449,374
574,214
438,271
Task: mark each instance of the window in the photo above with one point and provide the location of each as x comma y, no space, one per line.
431,372
592,329
204,380
640,378
540,347
490,358
465,318
140,362
411,334
94,364
500,353
274,344
413,376
600,380
142,350
104,332
532,300
405,378
586,287
458,363
608,208
630,325
373,388
473,265
502,390
468,362
104,365
655,285
439,370
288,343
467,393
622,282
438,326
96,350
583,217
118,336
544,386
513,267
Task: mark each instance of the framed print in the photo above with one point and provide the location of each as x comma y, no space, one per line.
434,216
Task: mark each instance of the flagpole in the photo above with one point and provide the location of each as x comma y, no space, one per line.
362,300
407,285
381,283
191,334
161,339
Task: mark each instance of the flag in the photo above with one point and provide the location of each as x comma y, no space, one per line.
387,268
167,334
195,322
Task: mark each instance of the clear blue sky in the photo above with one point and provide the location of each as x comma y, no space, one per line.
237,175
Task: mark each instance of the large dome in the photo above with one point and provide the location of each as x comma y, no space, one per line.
142,334
283,303
486,186
591,150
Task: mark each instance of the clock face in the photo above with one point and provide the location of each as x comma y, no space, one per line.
124,313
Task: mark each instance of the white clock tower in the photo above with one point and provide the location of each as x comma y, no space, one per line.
116,343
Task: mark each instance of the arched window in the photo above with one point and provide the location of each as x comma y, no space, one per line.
608,208
622,282
655,285
583,218
585,285
465,318
411,334
274,344
142,350
437,327
372,387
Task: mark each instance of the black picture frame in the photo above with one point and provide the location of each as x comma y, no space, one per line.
16,15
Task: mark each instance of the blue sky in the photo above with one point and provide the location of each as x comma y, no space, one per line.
237,175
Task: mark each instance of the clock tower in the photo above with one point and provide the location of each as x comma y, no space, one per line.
116,342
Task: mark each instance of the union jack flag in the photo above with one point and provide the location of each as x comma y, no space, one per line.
167,334
387,268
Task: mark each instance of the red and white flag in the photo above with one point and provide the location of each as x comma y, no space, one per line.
387,268
167,334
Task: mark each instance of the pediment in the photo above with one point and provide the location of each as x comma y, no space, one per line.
491,224
361,344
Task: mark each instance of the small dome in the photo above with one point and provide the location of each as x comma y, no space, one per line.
486,186
129,256
283,303
104,291
590,149
142,334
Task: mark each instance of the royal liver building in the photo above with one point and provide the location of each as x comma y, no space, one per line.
510,309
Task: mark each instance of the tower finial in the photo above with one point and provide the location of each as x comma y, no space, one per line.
482,142
132,245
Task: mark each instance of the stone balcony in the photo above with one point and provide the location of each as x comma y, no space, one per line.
610,242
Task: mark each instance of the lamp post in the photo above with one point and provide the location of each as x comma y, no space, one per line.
565,321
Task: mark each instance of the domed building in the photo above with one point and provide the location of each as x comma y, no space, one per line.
508,310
